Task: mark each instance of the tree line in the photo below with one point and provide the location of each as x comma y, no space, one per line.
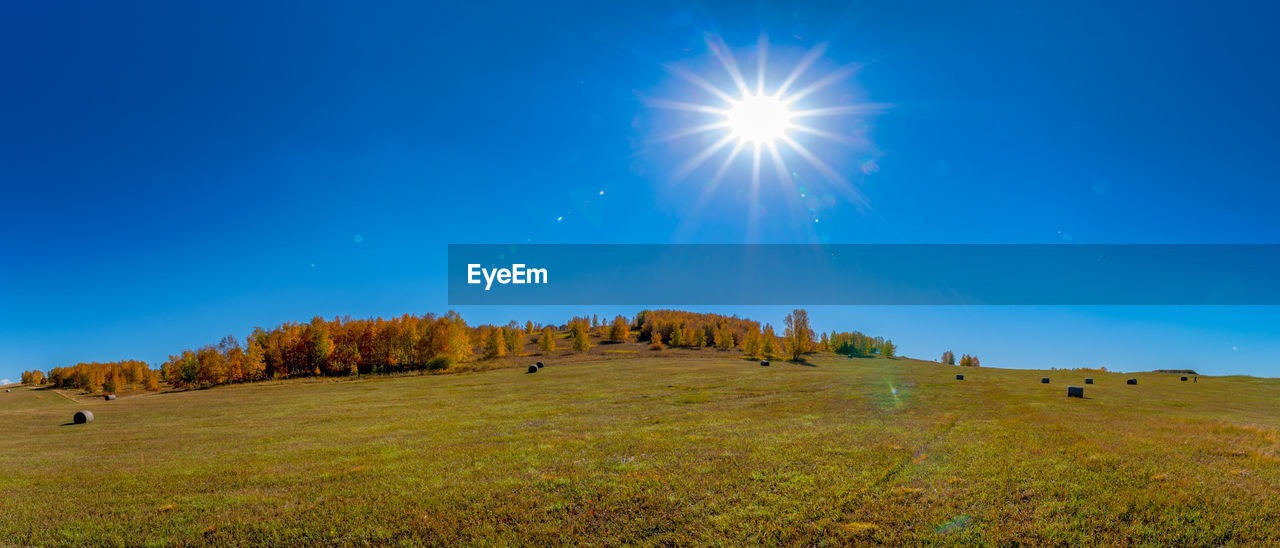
109,377
346,346
949,358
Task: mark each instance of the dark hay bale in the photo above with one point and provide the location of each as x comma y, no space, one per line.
1088,381
539,364
1131,381
764,363
83,417
1184,379
1075,391
1044,380
959,377
109,397
533,369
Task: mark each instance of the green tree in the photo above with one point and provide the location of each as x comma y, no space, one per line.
888,350
319,345
676,339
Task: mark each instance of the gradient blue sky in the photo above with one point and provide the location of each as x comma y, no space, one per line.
171,173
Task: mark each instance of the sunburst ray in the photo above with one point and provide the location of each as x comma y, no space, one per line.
759,118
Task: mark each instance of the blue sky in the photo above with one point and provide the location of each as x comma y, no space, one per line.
172,173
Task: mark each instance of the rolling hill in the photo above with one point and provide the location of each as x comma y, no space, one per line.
687,447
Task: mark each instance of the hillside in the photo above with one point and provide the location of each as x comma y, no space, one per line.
690,447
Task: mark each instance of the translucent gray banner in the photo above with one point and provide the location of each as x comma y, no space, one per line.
588,274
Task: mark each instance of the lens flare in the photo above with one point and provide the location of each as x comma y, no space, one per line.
764,122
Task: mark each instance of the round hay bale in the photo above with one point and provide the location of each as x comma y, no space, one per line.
1088,381
1075,391
764,363
539,364
1184,379
959,377
533,369
1044,380
109,397
83,417
1131,381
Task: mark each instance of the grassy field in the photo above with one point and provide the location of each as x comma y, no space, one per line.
696,449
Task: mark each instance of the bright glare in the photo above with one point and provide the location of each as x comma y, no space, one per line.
760,119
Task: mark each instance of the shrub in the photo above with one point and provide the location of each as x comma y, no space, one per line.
440,363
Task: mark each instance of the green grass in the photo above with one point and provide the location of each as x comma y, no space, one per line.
667,450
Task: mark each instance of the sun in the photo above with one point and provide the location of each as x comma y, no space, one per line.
764,121
758,119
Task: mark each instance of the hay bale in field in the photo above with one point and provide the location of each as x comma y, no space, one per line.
764,363
1131,381
959,377
1044,380
1184,379
108,397
533,369
1075,391
83,417
1088,381
539,364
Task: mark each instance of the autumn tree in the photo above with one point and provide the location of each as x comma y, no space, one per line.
547,341
211,367
111,385
515,340
769,342
888,350
948,358
620,330
798,334
580,342
494,346
151,381
254,368
751,344
724,338
33,377
655,341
